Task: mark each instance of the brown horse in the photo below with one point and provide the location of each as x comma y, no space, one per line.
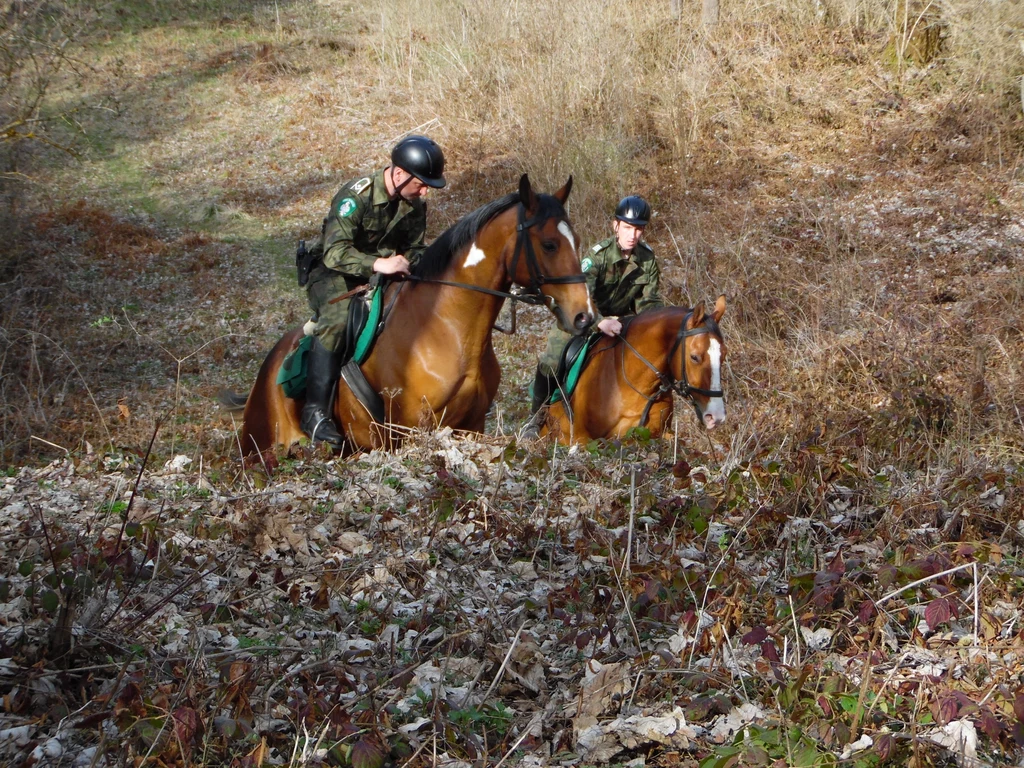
629,380
434,363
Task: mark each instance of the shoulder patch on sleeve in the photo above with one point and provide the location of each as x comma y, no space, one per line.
360,185
586,264
346,207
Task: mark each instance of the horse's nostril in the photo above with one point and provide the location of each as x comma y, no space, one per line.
710,421
583,319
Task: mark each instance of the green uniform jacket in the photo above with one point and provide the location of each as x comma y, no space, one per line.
620,285
363,226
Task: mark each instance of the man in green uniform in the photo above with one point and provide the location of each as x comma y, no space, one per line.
376,224
623,279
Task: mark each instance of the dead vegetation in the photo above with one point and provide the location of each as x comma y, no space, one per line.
464,602
833,577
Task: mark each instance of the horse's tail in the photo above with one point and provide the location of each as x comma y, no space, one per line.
232,402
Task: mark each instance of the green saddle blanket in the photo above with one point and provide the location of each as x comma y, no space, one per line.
363,324
292,373
369,326
574,359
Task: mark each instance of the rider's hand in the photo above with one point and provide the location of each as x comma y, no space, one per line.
392,265
609,326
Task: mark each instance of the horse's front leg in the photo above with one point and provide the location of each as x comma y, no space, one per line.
476,395
658,419
476,403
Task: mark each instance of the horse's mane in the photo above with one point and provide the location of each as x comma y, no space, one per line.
438,255
672,311
709,321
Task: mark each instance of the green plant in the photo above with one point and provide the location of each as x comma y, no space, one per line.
494,718
371,627
72,576
117,507
71,572
762,745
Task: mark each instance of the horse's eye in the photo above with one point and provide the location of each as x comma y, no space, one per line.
549,246
695,358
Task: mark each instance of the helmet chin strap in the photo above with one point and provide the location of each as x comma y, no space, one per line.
622,250
399,187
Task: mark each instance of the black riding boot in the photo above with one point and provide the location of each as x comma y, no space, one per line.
543,386
322,369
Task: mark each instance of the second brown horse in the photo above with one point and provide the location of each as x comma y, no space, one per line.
629,380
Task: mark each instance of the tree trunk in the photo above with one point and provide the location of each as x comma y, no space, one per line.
709,12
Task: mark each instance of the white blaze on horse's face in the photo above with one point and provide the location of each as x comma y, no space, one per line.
475,256
566,230
714,414
563,227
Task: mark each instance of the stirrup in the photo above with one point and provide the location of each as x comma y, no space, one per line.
531,430
336,440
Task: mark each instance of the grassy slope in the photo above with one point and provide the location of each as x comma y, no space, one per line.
839,204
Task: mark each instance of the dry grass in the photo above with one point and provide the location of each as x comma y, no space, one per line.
857,210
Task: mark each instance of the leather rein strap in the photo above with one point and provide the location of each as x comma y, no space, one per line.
667,383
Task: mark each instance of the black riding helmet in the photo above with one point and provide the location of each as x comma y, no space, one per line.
422,158
633,210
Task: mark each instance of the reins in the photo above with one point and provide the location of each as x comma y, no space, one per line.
525,298
667,384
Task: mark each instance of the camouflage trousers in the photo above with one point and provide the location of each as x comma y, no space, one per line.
331,319
547,363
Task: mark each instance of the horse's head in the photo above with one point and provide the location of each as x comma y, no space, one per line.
546,258
701,363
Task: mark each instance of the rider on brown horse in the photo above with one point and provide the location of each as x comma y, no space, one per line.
375,224
623,278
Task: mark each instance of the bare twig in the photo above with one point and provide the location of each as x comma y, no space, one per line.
926,579
504,663
52,445
81,376
514,747
796,629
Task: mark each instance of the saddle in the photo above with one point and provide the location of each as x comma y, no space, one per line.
571,363
292,373
361,332
364,323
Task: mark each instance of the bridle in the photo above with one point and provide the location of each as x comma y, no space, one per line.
666,382
537,278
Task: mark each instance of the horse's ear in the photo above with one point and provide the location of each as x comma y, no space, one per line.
526,195
563,194
697,316
719,308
